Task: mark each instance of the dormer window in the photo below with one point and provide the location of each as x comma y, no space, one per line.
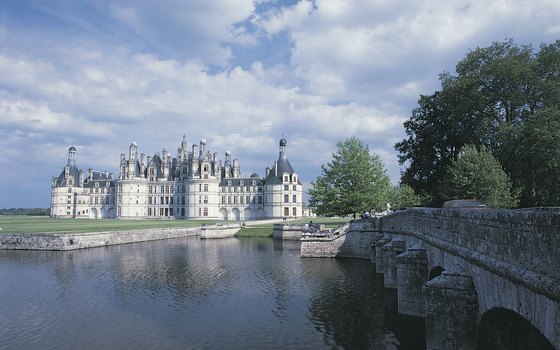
286,178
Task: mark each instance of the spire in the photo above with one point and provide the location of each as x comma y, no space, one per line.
283,144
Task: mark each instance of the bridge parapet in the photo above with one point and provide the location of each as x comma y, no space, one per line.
528,240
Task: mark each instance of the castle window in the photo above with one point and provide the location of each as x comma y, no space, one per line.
286,198
229,199
223,199
259,188
160,200
295,187
248,189
240,199
286,211
259,199
206,199
183,200
171,200
205,211
205,187
248,199
171,211
294,199
234,199
286,178
286,188
294,211
149,200
149,189
69,190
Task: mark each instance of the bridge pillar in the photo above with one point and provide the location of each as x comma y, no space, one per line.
390,252
451,311
379,260
412,273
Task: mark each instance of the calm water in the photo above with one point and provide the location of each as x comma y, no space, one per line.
194,294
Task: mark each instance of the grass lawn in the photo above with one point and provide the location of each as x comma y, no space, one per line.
265,230
44,224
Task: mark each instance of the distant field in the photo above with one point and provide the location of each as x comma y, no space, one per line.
43,224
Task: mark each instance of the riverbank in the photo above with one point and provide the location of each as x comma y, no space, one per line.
71,241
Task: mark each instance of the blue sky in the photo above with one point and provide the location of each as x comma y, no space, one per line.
99,75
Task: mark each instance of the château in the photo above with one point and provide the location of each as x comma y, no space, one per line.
192,185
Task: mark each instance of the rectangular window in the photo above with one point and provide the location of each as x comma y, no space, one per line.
149,211
286,198
286,187
160,200
183,200
240,199
294,211
248,199
205,211
171,200
223,199
259,199
286,211
205,199
295,187
234,199
166,200
171,211
205,187
149,200
294,198
183,212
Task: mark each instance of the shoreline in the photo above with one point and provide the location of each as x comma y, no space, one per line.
71,241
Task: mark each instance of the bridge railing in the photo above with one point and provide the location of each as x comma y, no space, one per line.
528,239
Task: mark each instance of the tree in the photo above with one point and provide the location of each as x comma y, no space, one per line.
477,174
355,181
403,196
496,98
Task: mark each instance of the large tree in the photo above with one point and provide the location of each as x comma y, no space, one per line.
496,98
354,181
477,174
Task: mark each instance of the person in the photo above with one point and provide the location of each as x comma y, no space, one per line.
366,214
311,226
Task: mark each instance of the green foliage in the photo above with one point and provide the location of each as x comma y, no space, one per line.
25,211
403,196
477,174
501,97
353,182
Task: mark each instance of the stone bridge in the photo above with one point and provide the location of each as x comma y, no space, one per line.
481,279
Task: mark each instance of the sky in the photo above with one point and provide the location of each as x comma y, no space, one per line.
242,74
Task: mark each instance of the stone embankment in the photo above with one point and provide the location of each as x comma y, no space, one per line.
219,230
69,241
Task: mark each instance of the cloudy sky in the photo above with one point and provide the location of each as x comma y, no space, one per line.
99,74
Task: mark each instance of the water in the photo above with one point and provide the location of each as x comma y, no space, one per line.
197,294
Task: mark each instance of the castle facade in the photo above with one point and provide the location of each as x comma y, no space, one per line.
192,185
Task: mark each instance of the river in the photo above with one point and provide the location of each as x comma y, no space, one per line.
197,294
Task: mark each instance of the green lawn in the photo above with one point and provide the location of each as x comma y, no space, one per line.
44,224
265,230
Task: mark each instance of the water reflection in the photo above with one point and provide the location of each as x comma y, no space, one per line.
196,294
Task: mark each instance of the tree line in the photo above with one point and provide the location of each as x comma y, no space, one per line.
25,211
492,132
